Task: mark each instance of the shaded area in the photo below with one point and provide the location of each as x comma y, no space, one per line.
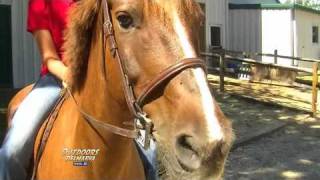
3,126
5,96
251,118
292,153
289,153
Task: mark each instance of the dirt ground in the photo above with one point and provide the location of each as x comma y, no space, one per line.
289,154
273,142
296,96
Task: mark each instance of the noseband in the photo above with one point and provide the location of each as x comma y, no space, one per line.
135,102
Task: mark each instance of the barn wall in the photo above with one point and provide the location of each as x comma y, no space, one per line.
305,48
245,30
277,34
216,15
25,59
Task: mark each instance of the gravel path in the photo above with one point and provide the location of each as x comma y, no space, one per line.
291,153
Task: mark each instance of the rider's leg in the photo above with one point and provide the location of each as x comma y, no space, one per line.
17,147
149,159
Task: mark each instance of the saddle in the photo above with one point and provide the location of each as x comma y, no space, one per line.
16,101
45,133
48,123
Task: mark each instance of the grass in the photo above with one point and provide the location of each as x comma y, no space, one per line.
306,79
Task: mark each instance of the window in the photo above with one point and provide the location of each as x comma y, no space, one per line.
315,34
215,36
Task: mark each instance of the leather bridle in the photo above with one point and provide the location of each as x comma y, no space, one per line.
135,102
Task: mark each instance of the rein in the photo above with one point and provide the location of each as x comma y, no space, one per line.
111,128
142,124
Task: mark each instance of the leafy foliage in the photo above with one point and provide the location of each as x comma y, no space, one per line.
315,4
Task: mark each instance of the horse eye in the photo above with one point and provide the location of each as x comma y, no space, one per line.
125,21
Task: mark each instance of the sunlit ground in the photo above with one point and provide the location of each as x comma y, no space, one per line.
299,97
307,77
291,174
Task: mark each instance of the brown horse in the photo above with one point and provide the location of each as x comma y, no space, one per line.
192,134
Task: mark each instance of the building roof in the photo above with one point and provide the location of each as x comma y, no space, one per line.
254,1
267,4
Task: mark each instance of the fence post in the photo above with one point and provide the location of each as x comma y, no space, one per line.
314,88
275,56
222,61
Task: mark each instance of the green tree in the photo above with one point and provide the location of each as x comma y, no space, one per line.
315,4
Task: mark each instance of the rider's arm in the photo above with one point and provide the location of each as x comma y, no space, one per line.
49,54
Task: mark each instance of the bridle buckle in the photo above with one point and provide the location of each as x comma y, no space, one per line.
145,128
107,27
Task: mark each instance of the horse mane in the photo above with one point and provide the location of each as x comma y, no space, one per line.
77,39
79,31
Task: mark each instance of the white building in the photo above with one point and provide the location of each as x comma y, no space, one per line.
216,25
266,25
19,58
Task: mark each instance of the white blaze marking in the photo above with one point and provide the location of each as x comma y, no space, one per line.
183,38
214,129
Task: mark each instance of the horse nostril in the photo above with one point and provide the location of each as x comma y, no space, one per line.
187,154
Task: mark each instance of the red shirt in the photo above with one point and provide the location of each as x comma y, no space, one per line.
50,15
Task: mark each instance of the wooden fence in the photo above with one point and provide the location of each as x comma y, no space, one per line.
224,55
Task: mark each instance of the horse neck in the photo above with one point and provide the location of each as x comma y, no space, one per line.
96,98
101,96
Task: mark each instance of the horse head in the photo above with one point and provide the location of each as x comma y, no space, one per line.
192,134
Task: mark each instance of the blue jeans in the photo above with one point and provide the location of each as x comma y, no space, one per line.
149,160
17,148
